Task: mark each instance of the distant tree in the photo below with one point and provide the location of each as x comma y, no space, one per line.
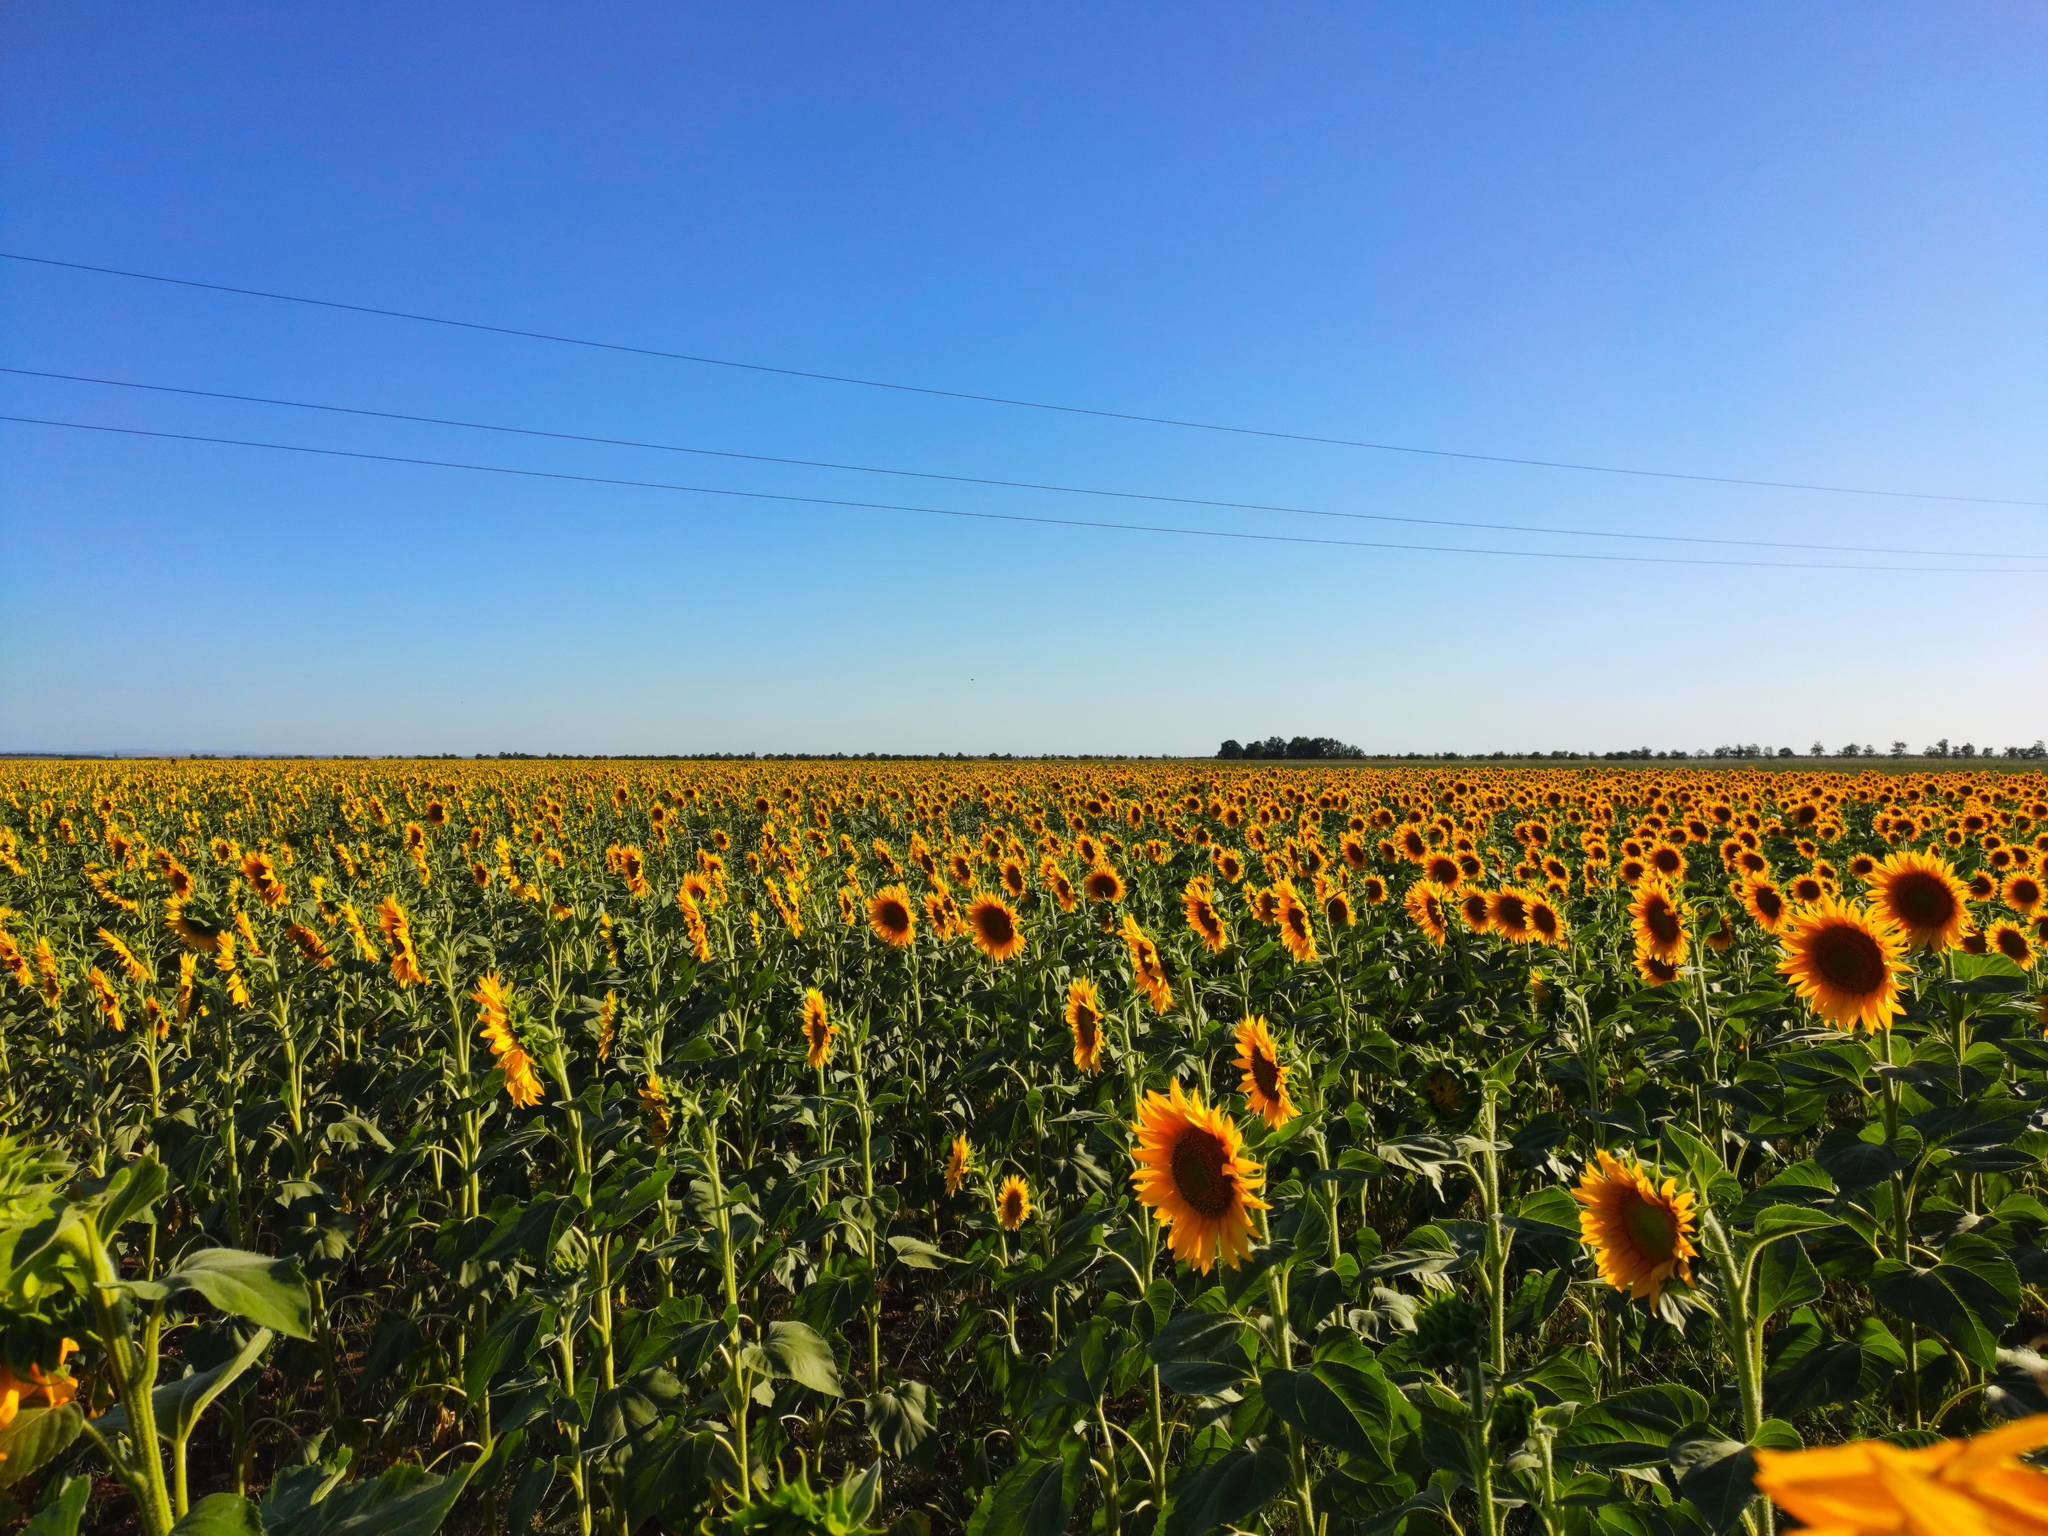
1231,748
1939,749
1784,751
1898,749
1818,750
1850,750
1966,750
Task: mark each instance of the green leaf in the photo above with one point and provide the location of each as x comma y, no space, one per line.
1198,1353
220,1514
405,1501
61,1515
1035,1497
1717,1474
1967,1299
1785,1277
1632,1428
1228,1490
902,1419
1344,1400
915,1253
798,1352
269,1292
35,1438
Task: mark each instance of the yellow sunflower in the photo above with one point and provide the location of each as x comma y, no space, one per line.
1867,1486
1507,914
1264,1080
1198,901
1193,1177
1013,1203
994,927
1084,1018
1640,1233
959,1158
1654,971
1296,931
818,1029
2010,940
1474,906
1844,961
1762,900
2022,892
1546,923
1659,923
892,917
1428,906
1103,884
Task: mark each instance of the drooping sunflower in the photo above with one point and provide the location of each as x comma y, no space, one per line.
1640,1232
1297,932
1013,1203
494,1004
1762,900
1198,902
1654,971
892,917
1192,1175
1264,1075
1844,961
2010,940
1103,884
1659,922
959,1158
1507,914
2022,892
654,1106
1084,1019
818,1029
1868,1486
1428,907
1013,877
994,927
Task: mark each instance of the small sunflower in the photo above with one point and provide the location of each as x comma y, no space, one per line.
1428,907
994,927
1296,931
1084,1019
1193,1177
818,1029
1844,960
1654,971
1762,900
2010,940
959,1158
1640,1233
1373,889
2022,892
1507,914
1264,1076
1337,910
1442,869
892,917
1013,1203
1198,901
1546,923
1103,884
1474,906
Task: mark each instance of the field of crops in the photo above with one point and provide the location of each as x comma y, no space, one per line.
1018,1148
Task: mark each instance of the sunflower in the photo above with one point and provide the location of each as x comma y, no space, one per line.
1844,960
261,874
1013,878
1806,890
2022,892
1867,1486
994,927
1191,1174
959,1158
1667,863
1640,1233
2010,940
1084,1018
494,1004
1296,931
1373,889
654,1106
1198,901
1723,936
1337,910
1919,894
1659,923
1013,1203
1428,906
1763,901
1103,884
891,916
1507,913
1654,971
1474,906
193,932
1264,1082
1442,869
818,1029
1632,871
1546,923
1147,969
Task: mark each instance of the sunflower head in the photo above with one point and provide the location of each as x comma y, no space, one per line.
817,1027
1193,1177
994,927
2022,892
1013,1203
1103,884
1263,1076
2010,940
1428,906
1659,922
1296,931
959,1158
891,916
1845,961
1640,1232
1084,1019
1450,1092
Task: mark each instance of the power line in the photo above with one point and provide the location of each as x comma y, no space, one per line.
1033,405
1013,517
1022,485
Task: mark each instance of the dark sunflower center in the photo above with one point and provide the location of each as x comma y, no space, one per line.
995,925
1198,1172
1662,922
2013,945
1849,960
1770,903
1266,1073
1923,900
1512,912
1652,1228
1543,920
1084,1026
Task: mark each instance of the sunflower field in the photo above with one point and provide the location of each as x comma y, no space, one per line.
1018,1148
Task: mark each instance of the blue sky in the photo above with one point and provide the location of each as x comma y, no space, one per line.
1794,242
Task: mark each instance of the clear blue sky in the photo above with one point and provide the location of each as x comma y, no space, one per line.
1803,242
